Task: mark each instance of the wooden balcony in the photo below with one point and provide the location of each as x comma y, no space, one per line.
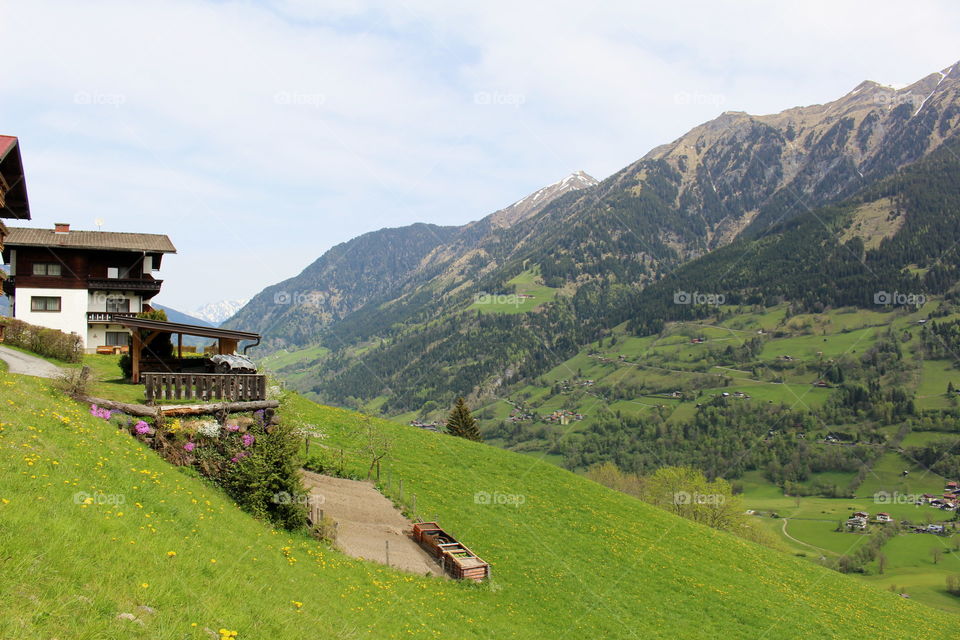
125,284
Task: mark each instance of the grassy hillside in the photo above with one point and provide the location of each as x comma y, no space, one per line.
574,556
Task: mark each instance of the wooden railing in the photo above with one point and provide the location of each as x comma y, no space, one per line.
232,387
109,316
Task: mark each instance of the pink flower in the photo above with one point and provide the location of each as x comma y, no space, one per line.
190,446
233,427
97,412
247,439
142,427
234,459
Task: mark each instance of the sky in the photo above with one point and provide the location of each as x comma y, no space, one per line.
257,135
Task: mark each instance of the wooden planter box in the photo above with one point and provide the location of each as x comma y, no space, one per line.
456,558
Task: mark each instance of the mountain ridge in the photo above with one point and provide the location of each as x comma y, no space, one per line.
594,249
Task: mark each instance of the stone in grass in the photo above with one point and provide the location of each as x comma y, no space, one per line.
148,610
130,618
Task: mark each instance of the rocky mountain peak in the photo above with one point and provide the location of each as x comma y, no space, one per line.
535,202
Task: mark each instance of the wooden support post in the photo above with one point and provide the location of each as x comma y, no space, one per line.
135,357
307,444
179,346
387,543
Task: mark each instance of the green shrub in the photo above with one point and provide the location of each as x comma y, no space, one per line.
255,461
267,481
43,341
126,366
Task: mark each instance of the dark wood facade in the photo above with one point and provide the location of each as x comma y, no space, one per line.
84,269
13,186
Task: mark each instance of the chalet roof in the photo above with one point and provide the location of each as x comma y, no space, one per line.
186,329
15,203
101,240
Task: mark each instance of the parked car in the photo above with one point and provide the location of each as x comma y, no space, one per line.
232,364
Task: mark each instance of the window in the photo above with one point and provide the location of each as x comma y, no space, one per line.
118,339
116,305
43,303
118,272
46,269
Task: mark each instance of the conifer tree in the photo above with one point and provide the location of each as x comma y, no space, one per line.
460,423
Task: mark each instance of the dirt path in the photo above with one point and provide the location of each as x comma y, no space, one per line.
26,364
806,544
367,521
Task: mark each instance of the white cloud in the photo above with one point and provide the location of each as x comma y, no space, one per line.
310,123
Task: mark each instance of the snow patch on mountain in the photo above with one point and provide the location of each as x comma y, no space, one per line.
217,312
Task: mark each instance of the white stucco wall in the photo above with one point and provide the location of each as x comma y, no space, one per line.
97,335
72,317
98,300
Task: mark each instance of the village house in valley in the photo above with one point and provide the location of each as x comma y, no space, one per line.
82,281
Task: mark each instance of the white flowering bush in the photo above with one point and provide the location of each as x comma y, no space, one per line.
209,428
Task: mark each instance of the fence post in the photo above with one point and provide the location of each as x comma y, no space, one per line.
307,444
387,542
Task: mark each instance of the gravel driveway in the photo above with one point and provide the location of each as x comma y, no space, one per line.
367,521
26,364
